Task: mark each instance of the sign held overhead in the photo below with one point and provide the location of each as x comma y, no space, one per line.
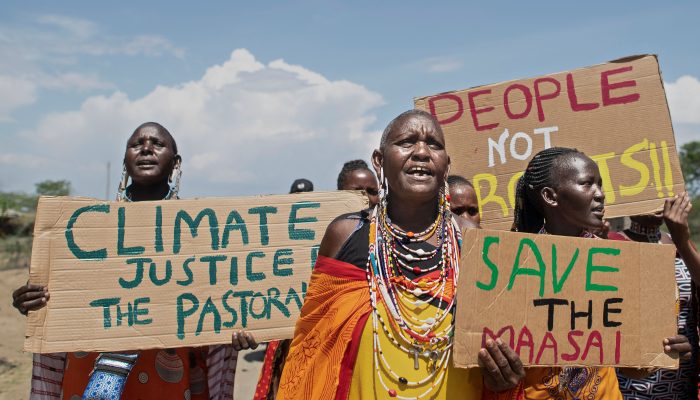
616,113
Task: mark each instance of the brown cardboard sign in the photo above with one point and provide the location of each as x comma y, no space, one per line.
616,113
566,301
158,274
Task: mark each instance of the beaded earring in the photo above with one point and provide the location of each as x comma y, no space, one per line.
384,187
121,191
175,175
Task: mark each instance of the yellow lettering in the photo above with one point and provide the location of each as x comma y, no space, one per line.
602,160
668,174
627,160
511,188
492,181
657,169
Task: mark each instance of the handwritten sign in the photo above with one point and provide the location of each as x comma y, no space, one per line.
174,273
616,113
566,301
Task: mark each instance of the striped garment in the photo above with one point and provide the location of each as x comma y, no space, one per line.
49,369
665,384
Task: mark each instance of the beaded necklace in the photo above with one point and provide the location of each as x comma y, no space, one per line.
389,258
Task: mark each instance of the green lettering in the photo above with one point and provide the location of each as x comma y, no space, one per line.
301,234
209,308
488,241
106,304
79,253
230,226
263,211
557,285
518,270
282,259
590,269
182,215
253,276
183,313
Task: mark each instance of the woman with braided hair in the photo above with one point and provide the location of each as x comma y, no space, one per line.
561,193
151,172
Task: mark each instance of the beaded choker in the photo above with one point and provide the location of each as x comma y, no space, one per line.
390,257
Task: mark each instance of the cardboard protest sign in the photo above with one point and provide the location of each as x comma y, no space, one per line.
565,301
616,113
174,273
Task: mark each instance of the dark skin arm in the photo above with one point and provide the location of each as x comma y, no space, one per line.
675,346
30,297
676,212
242,340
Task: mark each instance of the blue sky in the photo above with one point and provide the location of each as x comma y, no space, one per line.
310,84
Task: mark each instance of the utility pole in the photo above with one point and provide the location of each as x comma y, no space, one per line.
108,184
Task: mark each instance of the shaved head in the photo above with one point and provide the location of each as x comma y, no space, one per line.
403,116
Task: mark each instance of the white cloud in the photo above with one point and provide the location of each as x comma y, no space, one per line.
440,64
48,51
15,92
243,128
684,99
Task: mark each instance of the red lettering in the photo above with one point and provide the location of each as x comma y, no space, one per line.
617,347
489,332
545,96
595,335
574,344
528,101
525,343
475,111
607,87
573,100
446,96
548,338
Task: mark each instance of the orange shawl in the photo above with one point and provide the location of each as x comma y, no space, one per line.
327,335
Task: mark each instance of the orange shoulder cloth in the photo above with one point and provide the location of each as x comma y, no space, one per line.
327,335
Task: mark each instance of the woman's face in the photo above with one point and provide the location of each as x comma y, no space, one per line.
579,199
149,157
362,179
414,158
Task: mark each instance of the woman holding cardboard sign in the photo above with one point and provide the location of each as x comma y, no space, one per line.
561,193
377,319
152,163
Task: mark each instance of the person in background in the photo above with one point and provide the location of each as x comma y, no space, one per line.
356,175
152,166
301,185
463,201
561,193
680,384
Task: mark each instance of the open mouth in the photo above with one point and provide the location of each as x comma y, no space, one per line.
420,172
146,163
598,211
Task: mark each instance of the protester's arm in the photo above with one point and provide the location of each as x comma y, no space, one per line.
676,212
336,234
675,346
30,298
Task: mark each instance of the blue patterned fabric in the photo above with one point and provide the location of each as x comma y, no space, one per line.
109,376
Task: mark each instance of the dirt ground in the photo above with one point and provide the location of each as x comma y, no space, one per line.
16,366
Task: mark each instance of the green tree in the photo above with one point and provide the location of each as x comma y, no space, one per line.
53,188
690,164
